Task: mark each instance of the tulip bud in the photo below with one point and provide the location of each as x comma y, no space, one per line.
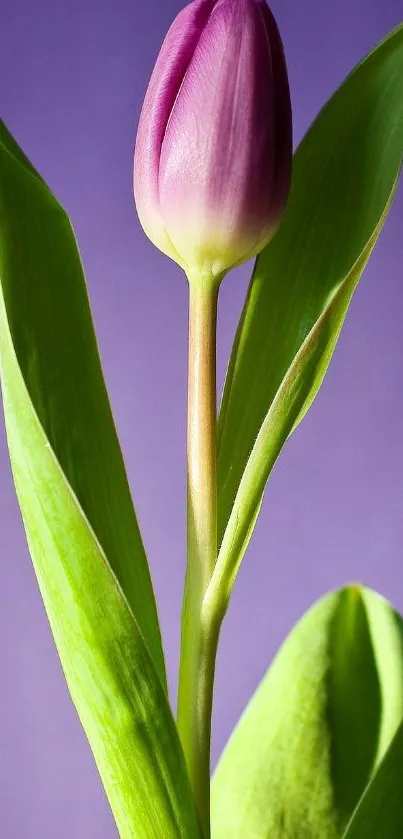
213,152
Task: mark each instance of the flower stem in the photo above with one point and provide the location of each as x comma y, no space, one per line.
200,632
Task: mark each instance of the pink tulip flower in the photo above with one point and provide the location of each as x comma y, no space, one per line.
213,152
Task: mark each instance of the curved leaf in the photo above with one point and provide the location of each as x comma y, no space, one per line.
345,173
78,517
318,725
47,309
379,814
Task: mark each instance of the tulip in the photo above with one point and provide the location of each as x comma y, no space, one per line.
213,152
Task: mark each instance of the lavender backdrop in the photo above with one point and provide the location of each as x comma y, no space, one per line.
72,77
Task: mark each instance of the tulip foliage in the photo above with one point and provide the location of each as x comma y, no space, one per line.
319,750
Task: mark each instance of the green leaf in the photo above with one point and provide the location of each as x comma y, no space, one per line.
318,725
379,814
344,176
49,317
78,516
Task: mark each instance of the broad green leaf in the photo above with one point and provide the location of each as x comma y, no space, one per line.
379,814
47,309
345,173
318,726
78,518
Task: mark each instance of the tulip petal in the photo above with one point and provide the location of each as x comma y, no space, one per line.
171,66
283,116
216,167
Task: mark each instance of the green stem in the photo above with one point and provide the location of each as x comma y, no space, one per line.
200,633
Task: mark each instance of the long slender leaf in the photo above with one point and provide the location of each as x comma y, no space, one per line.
47,309
345,173
78,517
318,726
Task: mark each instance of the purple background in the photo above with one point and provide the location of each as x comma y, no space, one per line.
72,78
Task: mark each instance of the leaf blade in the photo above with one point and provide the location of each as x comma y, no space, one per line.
107,666
345,171
107,639
295,766
379,814
50,320
283,416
